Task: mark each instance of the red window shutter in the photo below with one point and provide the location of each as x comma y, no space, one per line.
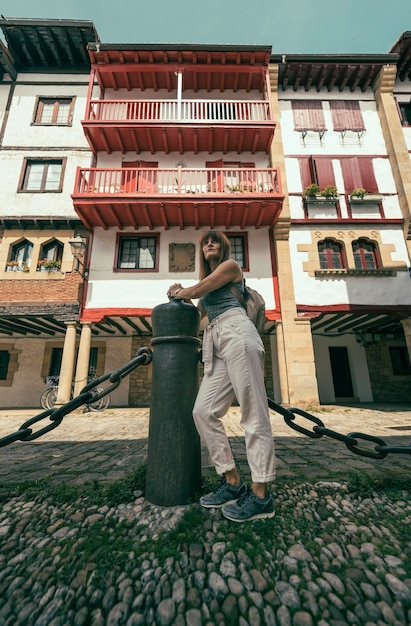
338,114
305,170
316,115
346,115
215,180
129,178
308,115
358,173
354,116
147,181
350,174
300,115
366,169
325,172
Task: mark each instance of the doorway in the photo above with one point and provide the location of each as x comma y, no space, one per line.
341,373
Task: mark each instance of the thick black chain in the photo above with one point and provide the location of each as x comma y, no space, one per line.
55,416
144,357
380,451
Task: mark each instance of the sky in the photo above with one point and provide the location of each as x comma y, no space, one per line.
289,26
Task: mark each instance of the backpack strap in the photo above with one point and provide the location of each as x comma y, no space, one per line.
237,293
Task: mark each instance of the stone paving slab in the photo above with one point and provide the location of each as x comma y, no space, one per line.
107,445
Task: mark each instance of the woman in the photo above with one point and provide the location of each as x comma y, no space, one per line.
233,355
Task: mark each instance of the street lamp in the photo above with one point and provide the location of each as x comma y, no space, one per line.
78,249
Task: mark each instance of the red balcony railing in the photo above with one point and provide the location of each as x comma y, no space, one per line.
178,181
209,111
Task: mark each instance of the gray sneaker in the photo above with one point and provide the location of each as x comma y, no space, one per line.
223,494
249,507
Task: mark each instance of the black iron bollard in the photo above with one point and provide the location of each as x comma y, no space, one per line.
174,453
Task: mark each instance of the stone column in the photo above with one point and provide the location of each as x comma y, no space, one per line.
395,142
296,365
67,364
83,358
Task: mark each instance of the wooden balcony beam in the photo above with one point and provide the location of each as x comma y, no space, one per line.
100,220
245,215
180,141
133,136
114,216
105,142
120,141
166,147
180,216
260,216
131,216
164,217
150,141
147,216
229,215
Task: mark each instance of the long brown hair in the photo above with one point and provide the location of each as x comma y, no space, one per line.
225,250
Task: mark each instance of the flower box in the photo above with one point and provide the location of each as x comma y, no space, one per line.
375,198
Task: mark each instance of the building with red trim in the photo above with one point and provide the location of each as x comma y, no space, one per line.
135,149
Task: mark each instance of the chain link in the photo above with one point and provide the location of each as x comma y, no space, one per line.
144,357
380,451
55,416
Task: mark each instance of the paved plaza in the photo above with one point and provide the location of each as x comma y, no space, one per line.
106,445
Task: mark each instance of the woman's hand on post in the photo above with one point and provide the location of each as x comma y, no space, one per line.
174,289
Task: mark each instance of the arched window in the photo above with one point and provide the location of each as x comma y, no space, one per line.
331,254
366,254
51,254
21,253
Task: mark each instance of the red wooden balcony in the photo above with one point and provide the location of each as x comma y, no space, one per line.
179,126
152,197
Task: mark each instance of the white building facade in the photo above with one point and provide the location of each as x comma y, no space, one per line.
157,143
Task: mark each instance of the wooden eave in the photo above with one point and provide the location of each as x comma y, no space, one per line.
48,45
212,68
247,211
330,71
402,47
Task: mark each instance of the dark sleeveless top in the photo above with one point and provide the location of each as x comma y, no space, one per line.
221,300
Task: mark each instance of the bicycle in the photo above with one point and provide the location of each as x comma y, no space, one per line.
48,398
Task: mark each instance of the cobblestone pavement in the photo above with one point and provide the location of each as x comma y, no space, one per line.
89,446
329,557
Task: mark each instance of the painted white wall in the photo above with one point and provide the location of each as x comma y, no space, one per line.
357,362
372,142
21,132
148,289
325,291
39,204
4,94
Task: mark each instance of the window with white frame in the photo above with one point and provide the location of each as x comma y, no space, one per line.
137,253
42,175
51,254
21,253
